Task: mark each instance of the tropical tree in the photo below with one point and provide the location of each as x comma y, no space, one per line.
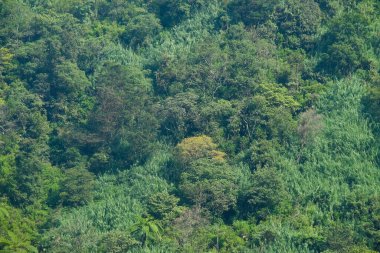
146,230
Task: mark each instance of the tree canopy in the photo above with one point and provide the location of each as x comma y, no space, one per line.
190,126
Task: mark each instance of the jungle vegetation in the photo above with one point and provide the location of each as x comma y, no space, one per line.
189,126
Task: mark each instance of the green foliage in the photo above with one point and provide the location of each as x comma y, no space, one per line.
117,242
298,23
16,232
118,202
119,120
162,204
194,148
5,61
344,46
205,177
77,187
179,116
211,126
172,12
210,184
141,29
70,79
265,194
218,238
252,12
146,230
16,18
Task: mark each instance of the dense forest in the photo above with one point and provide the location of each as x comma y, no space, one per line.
189,126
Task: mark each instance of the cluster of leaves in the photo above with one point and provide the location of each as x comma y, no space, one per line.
189,126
